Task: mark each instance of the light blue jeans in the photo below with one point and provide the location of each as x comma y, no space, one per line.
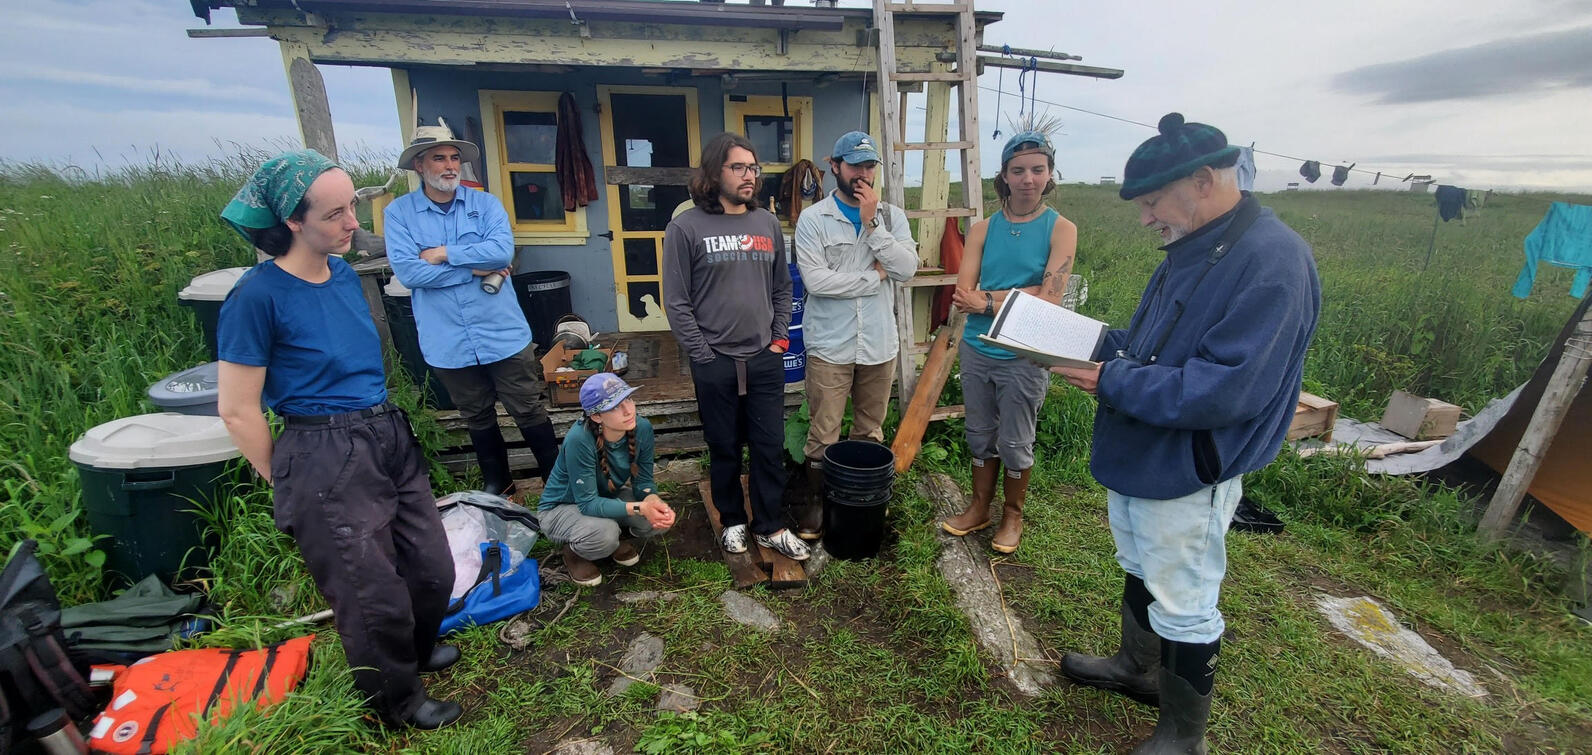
1178,546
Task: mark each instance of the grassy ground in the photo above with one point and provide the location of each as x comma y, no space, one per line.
875,657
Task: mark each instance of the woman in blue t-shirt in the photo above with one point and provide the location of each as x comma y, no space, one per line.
1029,247
350,483
602,480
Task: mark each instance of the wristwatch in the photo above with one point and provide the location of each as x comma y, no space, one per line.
633,508
989,303
874,223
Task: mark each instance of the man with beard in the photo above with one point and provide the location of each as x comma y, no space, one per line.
1199,389
849,247
727,293
442,241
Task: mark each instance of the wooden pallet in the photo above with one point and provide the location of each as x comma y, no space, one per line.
1313,417
757,564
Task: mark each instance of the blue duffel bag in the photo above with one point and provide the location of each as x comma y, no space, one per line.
494,578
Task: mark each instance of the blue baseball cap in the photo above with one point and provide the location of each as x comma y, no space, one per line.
855,148
603,391
1027,137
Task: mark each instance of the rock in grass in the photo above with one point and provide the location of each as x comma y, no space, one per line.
643,656
678,698
816,562
1365,621
583,747
748,611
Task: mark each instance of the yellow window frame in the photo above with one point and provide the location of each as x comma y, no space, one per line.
494,102
801,115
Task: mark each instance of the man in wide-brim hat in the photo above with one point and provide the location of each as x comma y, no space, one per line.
442,241
1199,389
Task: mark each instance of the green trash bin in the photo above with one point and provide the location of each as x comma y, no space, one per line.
141,478
205,294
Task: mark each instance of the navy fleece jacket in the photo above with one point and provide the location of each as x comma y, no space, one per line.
1220,395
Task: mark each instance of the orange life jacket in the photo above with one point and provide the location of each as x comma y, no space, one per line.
159,700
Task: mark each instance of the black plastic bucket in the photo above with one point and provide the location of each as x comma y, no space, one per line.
858,476
544,297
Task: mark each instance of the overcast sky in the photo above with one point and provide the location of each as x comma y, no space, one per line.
1479,93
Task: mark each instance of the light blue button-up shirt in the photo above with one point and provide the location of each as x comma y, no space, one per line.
460,325
850,312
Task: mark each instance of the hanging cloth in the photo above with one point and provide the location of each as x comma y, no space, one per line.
1450,202
1563,238
803,182
1246,168
1341,173
951,247
576,178
1311,170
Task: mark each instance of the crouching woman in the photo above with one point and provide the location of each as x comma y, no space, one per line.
602,483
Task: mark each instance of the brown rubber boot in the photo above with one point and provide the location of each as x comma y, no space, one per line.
810,517
976,516
581,571
1010,534
626,554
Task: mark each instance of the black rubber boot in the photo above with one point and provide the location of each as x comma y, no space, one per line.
1188,671
434,714
1135,670
493,456
810,517
544,446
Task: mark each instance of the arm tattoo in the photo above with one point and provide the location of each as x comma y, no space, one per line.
1055,281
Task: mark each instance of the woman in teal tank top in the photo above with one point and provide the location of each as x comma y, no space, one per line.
1025,246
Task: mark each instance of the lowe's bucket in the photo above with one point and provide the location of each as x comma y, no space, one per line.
858,475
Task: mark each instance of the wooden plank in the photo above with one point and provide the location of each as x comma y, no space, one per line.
416,40
947,412
1028,53
226,33
921,281
786,572
909,435
936,146
926,9
966,52
742,569
1069,69
461,459
619,174
309,100
930,76
944,212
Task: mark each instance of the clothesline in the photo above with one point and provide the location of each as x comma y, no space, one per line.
1152,127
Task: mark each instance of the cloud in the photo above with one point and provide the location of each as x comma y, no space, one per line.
186,87
1529,64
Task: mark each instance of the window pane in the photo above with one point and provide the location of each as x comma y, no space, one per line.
530,137
769,195
537,197
636,295
659,120
649,208
773,136
641,257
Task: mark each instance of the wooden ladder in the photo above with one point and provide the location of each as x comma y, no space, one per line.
892,103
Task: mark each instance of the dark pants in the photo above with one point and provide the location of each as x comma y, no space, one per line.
744,402
353,492
516,381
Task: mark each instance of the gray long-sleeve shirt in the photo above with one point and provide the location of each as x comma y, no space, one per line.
726,286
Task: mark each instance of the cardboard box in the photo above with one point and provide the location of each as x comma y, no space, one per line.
1313,416
1420,418
563,388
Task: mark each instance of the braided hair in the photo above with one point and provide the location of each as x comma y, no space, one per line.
605,482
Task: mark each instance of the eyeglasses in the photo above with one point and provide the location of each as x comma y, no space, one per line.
742,169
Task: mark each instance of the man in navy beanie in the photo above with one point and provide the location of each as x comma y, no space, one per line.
1199,389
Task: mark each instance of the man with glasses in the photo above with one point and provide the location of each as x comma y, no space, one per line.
727,293
849,246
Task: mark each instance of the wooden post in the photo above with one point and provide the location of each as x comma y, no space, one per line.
1545,420
309,100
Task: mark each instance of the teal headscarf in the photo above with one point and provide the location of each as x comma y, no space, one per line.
275,190
1026,137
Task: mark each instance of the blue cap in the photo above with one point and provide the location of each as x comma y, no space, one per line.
603,391
855,148
1026,137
